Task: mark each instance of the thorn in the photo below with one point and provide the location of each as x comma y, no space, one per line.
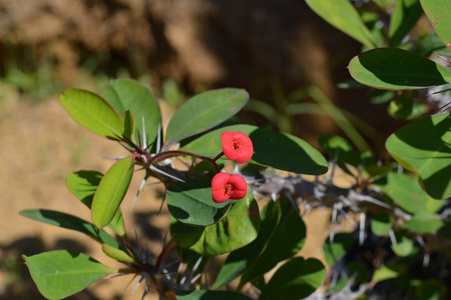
153,168
140,189
362,228
392,236
158,138
137,285
144,132
195,278
115,158
162,201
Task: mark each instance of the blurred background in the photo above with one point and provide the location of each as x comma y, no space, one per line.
276,50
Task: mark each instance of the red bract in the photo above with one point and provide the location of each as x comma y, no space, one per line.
237,146
226,186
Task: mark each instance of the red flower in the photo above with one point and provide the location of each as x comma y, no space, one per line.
226,186
237,146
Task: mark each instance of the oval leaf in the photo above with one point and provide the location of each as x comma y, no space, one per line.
296,279
405,15
269,149
336,249
424,147
59,274
67,221
191,203
397,69
111,192
423,222
381,223
404,190
404,245
203,112
237,229
127,94
92,112
342,15
83,185
439,13
118,254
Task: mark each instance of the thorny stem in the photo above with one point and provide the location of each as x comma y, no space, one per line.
170,153
164,252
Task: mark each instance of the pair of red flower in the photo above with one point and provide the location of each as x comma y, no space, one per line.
236,146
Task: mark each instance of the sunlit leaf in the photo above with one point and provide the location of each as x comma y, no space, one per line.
59,274
439,14
269,147
381,223
93,112
126,94
203,112
423,222
397,69
117,254
424,147
342,15
83,184
111,192
404,245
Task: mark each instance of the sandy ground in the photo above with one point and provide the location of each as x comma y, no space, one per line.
40,146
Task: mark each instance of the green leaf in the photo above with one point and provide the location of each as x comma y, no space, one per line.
286,241
239,260
83,184
432,289
405,15
111,192
439,13
204,111
67,221
336,249
404,190
404,245
397,69
92,112
237,229
381,223
126,94
191,203
117,254
210,295
296,279
59,274
128,126
343,16
387,272
269,148
423,222
424,147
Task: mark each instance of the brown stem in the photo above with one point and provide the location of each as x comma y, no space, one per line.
163,253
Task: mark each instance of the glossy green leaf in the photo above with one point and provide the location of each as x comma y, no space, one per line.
439,14
423,222
404,190
92,112
83,184
424,147
67,221
117,254
405,15
126,94
296,279
269,148
59,274
111,192
239,260
360,270
237,229
203,112
336,249
191,203
381,223
210,295
342,15
397,69
286,241
404,245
